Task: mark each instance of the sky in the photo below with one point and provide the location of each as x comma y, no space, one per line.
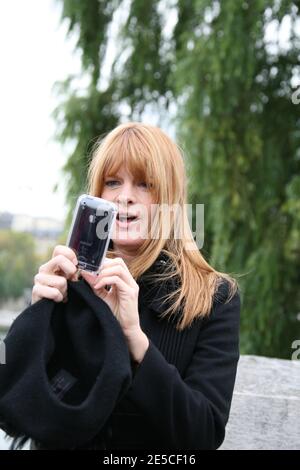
34,53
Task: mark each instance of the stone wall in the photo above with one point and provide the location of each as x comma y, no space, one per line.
265,411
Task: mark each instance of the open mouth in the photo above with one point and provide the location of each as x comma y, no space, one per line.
126,219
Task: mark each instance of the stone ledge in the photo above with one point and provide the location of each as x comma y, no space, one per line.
265,410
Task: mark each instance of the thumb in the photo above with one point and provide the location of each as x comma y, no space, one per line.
90,278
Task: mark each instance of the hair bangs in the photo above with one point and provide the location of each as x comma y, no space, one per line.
129,150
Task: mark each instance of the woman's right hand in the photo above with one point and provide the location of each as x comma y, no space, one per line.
51,280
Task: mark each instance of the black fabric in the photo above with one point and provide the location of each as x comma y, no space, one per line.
67,366
181,393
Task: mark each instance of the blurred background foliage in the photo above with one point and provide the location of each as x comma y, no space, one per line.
226,85
18,263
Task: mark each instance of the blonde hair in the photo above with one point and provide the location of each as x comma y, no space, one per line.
149,154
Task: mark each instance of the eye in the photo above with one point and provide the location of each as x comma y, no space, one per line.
110,183
146,185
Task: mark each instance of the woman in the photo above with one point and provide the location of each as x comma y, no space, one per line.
180,316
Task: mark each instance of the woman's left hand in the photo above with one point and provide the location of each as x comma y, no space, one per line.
122,298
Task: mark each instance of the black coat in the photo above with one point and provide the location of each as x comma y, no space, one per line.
181,392
67,367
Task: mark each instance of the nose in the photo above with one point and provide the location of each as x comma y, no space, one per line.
126,194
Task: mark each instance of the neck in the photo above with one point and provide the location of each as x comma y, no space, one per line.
126,253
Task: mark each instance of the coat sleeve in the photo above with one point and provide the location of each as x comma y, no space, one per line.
191,412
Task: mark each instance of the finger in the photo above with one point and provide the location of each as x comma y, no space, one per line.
103,292
59,265
40,291
65,251
124,266
52,280
75,277
114,262
89,277
117,270
114,280
92,280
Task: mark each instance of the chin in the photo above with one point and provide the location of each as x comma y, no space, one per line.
126,241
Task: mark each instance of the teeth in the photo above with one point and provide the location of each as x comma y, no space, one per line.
124,218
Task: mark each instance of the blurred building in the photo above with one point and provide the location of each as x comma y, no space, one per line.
6,219
41,227
44,229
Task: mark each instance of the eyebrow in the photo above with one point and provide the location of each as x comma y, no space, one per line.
117,175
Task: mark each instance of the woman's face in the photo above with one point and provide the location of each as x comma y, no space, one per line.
134,198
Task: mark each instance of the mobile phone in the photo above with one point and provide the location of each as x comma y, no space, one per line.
91,230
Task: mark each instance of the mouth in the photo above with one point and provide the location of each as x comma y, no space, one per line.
124,220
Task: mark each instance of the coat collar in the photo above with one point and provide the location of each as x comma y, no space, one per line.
152,292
